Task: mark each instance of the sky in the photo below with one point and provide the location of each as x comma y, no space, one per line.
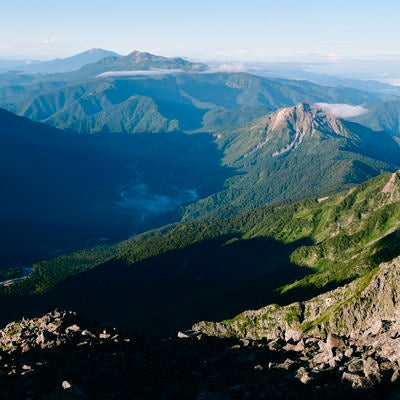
245,30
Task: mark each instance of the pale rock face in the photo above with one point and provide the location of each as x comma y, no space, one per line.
294,124
306,117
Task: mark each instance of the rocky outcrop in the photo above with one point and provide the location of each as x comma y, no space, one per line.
289,126
51,330
36,355
369,305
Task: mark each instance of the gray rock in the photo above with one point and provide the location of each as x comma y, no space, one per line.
25,347
356,365
356,381
66,385
293,334
68,391
303,376
40,338
299,347
287,365
52,327
395,377
86,332
72,328
104,336
349,352
334,341
322,357
332,363
372,371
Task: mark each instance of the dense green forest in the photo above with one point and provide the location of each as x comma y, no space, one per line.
326,243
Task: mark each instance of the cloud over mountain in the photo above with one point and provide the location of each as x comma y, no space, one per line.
343,110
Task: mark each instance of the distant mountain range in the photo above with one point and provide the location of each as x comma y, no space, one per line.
138,60
59,65
167,102
142,92
88,65
299,71
10,65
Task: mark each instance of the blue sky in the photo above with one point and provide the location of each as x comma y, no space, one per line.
248,30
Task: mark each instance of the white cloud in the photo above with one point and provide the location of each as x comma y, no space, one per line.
138,73
50,40
334,57
343,110
228,68
391,81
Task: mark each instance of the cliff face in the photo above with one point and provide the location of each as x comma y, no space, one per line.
284,130
369,305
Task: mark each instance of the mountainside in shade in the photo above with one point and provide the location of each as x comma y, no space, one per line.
67,64
190,101
64,190
382,117
297,152
212,270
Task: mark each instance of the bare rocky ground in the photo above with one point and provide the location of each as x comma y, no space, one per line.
63,356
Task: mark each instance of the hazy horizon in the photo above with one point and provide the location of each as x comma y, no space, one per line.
339,37
225,30
378,69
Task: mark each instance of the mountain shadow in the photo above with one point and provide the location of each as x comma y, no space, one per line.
211,280
65,190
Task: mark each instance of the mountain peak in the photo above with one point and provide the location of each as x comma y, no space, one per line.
305,117
286,128
300,122
72,63
140,54
139,60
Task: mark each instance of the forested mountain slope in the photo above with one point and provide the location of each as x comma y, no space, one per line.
216,269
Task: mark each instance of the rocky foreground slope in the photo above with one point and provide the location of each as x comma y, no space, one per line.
63,356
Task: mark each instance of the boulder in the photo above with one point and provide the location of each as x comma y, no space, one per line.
334,341
356,381
303,376
372,371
